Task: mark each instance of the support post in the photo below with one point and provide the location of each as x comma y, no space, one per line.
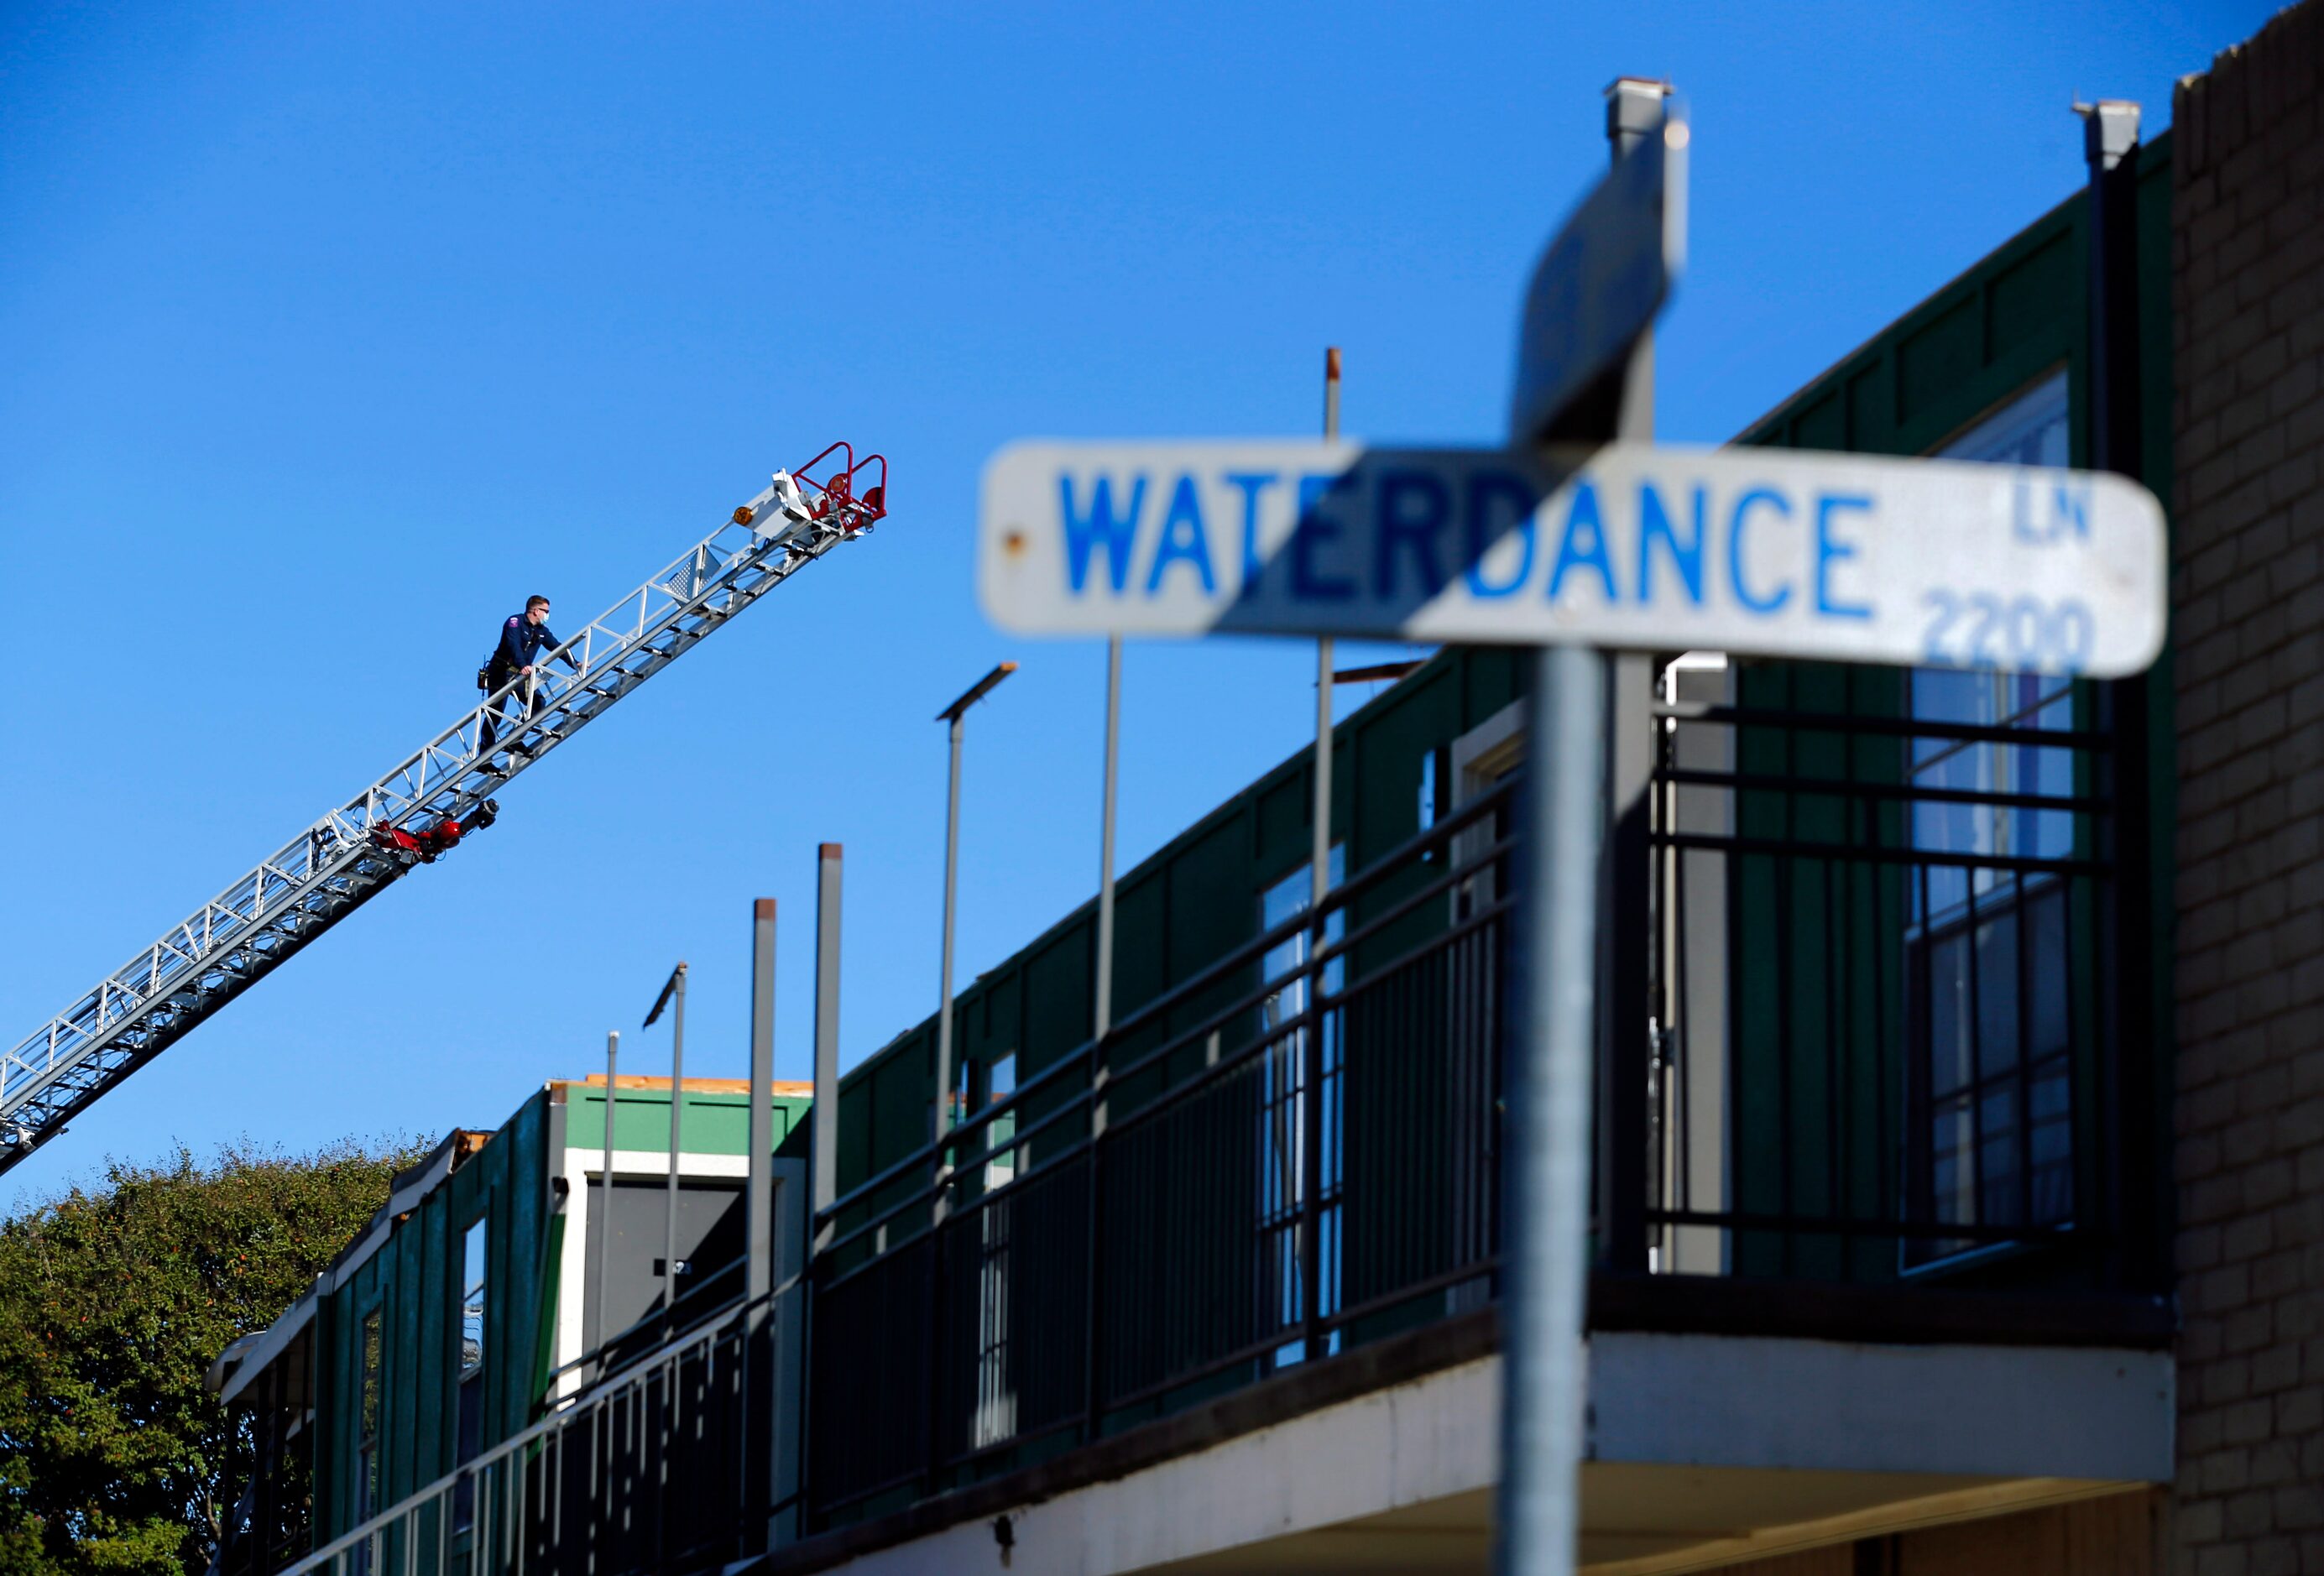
1311,1038
673,991
954,713
605,1187
951,885
2133,1203
1101,1023
1558,973
1547,1186
758,1221
759,1228
1634,112
941,1180
1320,879
826,1113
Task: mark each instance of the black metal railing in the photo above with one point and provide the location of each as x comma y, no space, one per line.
1893,957
1292,1150
1889,1031
646,1469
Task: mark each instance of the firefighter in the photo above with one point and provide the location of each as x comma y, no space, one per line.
523,638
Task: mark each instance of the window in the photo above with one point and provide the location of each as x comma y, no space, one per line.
470,1439
996,1392
1990,1093
367,1484
1430,807
1283,1136
999,1083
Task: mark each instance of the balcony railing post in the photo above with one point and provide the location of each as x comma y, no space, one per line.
1625,963
1092,1383
1311,1143
2129,1209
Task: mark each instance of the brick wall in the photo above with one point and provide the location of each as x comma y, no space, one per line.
2247,566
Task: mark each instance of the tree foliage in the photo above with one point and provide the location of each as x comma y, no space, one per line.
113,1301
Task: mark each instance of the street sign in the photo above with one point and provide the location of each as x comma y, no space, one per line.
1602,279
1772,552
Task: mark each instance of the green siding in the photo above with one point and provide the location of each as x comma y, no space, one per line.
1818,1006
715,1122
2021,313
412,1281
1176,913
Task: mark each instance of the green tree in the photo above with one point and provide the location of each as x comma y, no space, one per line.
113,1301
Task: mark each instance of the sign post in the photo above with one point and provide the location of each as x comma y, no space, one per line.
1579,537
1569,791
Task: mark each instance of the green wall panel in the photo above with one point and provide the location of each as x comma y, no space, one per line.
1177,913
1832,936
715,1122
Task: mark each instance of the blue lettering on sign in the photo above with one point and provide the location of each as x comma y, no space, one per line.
1252,483
2069,510
1183,540
1314,531
1413,508
1685,557
1583,544
1485,489
1083,532
1829,552
1743,594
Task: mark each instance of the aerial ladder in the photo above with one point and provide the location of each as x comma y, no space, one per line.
421,808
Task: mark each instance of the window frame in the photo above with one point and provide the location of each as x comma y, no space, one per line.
2018,429
1281,1149
473,1301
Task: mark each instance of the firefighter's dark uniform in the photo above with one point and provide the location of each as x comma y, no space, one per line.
521,639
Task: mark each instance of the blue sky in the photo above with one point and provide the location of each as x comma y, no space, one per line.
330,333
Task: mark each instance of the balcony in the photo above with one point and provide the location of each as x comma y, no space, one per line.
1875,1220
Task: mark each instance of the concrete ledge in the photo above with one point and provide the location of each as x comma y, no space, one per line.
1395,1361
1730,1401
1752,1354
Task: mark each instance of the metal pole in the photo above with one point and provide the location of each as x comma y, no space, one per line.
1104,1014
951,879
1548,1150
1548,1155
2128,1205
1320,881
825,1115
1311,1038
605,1181
759,1221
677,1103
758,1214
1634,112
954,713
